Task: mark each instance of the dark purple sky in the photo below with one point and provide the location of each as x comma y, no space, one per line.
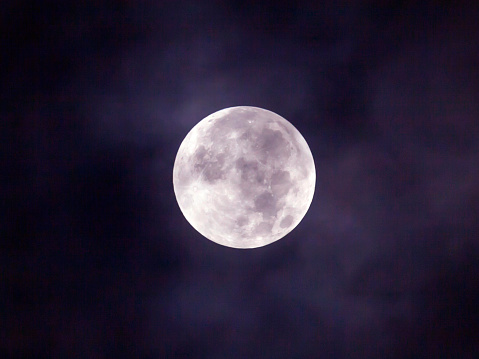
96,259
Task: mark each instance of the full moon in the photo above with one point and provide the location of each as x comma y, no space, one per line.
244,177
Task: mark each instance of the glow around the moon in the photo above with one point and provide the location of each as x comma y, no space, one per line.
244,177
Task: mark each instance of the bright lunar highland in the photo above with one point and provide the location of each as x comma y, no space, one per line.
244,177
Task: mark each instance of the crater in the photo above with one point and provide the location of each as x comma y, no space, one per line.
208,166
242,221
286,221
280,183
264,228
273,142
234,120
200,154
250,171
266,204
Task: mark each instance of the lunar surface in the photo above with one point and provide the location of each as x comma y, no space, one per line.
244,177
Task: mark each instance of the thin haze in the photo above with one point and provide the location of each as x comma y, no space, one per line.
97,260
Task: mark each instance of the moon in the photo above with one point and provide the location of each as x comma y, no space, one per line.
244,177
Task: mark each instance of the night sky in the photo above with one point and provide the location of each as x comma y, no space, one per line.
97,260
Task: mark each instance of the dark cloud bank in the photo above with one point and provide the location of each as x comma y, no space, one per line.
97,260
